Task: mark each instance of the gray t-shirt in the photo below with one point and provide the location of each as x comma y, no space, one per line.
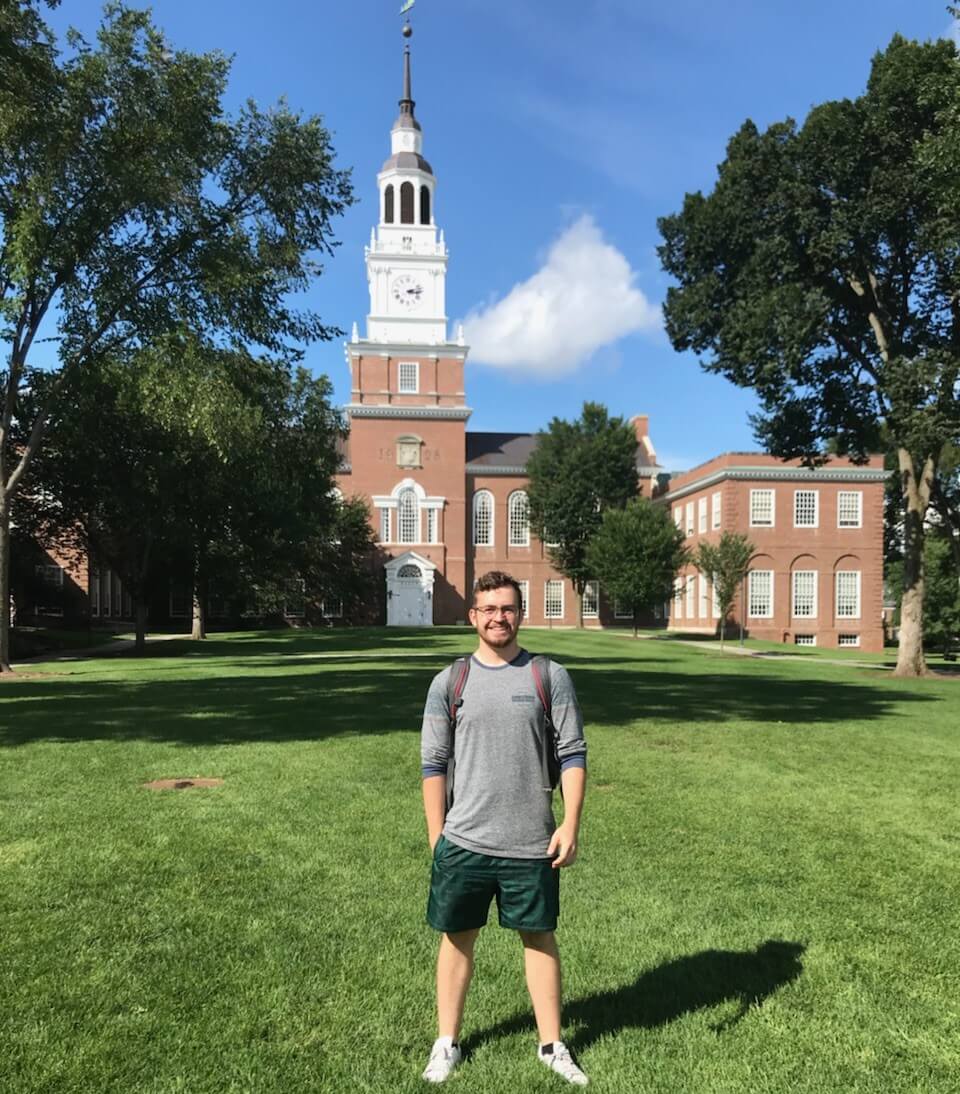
500,806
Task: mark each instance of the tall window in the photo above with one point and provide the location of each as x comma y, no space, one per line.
409,377
804,594
761,509
621,610
760,594
678,516
406,203
806,508
483,519
384,525
424,204
850,509
524,597
690,518
51,578
678,598
519,519
704,602
388,205
295,603
408,516
848,594
591,600
717,498
714,599
702,515
691,596
553,599
433,523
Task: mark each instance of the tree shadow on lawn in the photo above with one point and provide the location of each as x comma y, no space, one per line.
698,981
241,702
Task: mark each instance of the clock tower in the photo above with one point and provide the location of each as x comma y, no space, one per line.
407,411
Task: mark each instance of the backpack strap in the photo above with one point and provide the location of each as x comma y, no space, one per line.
456,682
549,758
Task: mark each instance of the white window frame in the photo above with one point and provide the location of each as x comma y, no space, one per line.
332,609
714,599
856,606
385,524
408,536
403,370
814,521
678,516
804,639
620,612
287,613
552,582
524,598
754,589
594,611
717,502
678,598
848,640
754,500
518,531
808,601
690,523
433,525
479,497
703,601
858,494
691,597
702,515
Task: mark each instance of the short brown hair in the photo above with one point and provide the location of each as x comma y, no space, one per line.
496,579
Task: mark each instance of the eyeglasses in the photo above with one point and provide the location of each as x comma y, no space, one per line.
489,611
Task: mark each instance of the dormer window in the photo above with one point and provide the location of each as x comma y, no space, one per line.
388,204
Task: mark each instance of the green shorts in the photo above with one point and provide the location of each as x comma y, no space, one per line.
463,883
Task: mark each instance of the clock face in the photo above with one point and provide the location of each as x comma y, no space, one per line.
407,291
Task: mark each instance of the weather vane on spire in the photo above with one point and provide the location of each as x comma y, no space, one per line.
407,29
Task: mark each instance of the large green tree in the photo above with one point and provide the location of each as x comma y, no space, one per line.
130,204
636,554
726,563
577,471
822,271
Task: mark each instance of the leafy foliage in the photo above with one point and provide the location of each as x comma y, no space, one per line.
726,562
822,272
636,554
941,600
577,471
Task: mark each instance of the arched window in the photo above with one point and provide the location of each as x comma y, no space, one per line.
424,204
408,569
406,203
388,205
483,519
408,516
519,519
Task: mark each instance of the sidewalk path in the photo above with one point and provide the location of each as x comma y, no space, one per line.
86,653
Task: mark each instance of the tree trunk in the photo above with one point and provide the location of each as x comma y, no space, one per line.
723,627
579,593
140,616
199,628
916,494
4,581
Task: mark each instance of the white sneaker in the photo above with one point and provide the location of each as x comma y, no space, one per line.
444,1057
560,1059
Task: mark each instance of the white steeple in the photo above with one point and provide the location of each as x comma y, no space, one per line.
406,261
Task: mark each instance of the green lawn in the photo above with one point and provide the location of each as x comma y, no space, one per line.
767,898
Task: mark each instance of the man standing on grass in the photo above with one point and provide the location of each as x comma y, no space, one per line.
499,838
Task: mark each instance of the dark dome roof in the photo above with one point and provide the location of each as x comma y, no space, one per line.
407,159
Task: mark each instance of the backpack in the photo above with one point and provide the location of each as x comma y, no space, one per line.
549,758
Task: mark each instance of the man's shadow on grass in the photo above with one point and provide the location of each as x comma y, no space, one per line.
661,995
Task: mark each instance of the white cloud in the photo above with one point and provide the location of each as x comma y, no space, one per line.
581,299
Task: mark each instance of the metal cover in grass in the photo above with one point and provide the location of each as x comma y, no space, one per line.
181,784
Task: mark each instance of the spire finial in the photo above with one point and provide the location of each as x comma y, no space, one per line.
407,103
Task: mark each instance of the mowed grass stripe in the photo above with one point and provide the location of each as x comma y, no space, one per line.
766,899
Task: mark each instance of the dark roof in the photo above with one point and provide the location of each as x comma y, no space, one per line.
407,159
500,449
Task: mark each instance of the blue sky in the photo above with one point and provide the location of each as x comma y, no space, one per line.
558,133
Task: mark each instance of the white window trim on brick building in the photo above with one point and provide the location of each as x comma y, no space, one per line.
524,597
690,524
483,529
852,519
553,599
716,503
408,517
678,516
408,377
803,594
702,515
691,605
518,519
591,600
714,600
806,508
760,594
678,598
620,612
847,594
763,509
703,606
